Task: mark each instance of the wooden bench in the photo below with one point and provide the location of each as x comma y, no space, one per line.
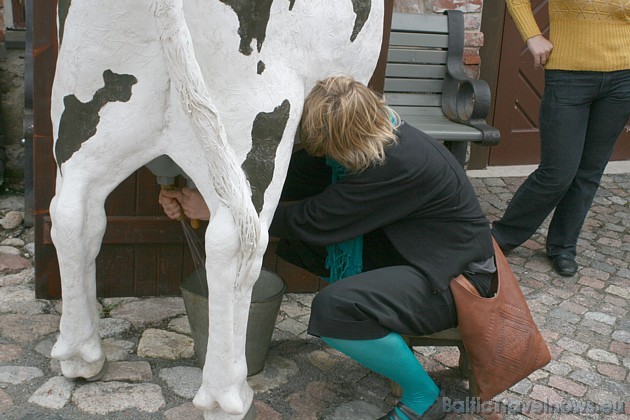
426,84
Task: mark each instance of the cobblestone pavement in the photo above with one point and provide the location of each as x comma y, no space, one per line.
153,374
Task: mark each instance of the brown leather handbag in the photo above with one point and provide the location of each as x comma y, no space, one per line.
503,343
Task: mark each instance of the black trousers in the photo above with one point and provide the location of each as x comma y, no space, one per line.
389,295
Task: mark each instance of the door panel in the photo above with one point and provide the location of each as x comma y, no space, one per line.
518,92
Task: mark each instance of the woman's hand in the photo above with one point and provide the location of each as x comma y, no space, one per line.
184,202
541,48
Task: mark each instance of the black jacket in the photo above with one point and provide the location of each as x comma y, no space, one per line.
420,197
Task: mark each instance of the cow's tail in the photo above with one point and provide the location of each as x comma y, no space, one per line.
228,178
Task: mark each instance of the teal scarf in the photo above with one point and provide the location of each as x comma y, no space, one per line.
344,259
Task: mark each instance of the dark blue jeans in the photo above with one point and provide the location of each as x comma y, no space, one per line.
582,114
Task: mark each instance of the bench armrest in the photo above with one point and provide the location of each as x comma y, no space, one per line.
465,100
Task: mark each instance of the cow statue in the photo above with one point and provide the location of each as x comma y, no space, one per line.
216,85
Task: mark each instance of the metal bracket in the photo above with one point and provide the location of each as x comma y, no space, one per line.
465,100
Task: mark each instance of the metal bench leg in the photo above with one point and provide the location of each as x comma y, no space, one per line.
458,149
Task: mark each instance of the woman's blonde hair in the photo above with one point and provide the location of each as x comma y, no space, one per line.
346,121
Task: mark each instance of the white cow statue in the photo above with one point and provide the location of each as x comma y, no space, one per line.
216,85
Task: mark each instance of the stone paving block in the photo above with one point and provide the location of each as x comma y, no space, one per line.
111,397
54,394
592,379
591,282
356,409
163,344
312,400
20,299
5,400
609,308
292,326
602,356
19,374
186,411
22,277
180,325
558,368
618,291
27,328
600,317
113,327
150,312
184,381
621,335
137,371
13,263
276,373
617,373
573,307
596,327
45,346
545,394
567,386
572,345
9,352
576,361
321,360
117,350
266,412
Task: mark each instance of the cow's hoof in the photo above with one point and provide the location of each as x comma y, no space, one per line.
99,375
79,368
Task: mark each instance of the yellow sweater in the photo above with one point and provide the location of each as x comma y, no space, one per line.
591,35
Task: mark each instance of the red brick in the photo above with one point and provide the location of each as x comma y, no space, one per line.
466,6
471,56
473,39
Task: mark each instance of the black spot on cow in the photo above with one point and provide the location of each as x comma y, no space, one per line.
291,4
267,133
62,13
261,67
362,10
79,120
253,17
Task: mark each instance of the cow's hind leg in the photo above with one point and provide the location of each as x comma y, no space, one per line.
78,224
224,393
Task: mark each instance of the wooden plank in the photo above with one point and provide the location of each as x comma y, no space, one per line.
136,230
411,40
413,99
444,129
122,201
416,55
416,22
433,111
115,270
433,86
416,71
147,191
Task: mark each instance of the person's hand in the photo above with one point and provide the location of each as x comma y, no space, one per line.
541,48
184,202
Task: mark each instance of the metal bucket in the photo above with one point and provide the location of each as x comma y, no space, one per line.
263,311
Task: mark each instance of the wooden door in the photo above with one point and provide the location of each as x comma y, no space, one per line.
143,252
518,87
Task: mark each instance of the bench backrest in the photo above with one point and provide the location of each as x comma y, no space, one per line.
416,63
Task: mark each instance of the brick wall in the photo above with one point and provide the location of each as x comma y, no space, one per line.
472,19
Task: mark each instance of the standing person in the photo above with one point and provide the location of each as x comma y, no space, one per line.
585,105
399,221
